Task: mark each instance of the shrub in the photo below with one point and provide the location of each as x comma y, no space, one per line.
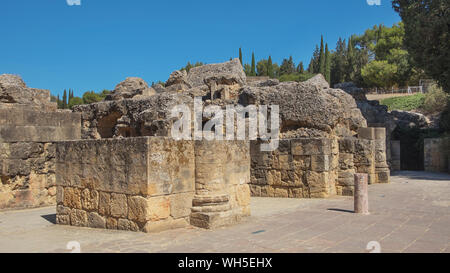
406,103
436,100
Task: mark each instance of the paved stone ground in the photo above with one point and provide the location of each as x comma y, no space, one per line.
411,214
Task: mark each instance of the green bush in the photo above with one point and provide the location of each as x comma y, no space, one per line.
406,103
295,77
436,100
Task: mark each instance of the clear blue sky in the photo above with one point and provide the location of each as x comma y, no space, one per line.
96,45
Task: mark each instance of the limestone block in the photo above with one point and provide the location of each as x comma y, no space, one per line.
72,198
166,224
59,195
96,221
111,223
118,205
63,219
347,145
313,146
320,163
346,161
89,199
318,184
366,133
158,208
104,202
243,195
181,204
78,218
124,224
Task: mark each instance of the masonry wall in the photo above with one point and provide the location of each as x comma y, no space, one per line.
137,184
318,167
300,168
436,154
151,184
27,154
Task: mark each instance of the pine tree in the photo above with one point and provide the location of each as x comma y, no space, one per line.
327,64
240,56
253,72
270,67
322,58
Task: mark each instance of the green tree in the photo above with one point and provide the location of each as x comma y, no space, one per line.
270,67
327,64
261,67
75,101
253,71
64,102
287,66
321,58
338,63
300,68
427,38
240,56
379,73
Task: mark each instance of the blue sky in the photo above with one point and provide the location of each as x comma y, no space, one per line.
96,45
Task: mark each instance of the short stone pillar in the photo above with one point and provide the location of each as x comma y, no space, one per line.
361,194
381,167
222,174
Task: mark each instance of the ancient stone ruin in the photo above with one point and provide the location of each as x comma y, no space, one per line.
120,168
29,126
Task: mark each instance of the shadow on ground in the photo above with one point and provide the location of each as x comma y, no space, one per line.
50,217
422,175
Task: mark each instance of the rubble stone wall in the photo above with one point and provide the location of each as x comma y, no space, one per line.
150,184
27,154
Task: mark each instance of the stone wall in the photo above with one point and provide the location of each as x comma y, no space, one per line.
318,167
150,184
436,154
27,154
300,168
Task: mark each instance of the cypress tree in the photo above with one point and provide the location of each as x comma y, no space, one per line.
240,56
253,72
311,68
270,67
300,68
327,64
64,103
322,58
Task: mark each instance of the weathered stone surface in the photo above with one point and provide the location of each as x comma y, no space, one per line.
231,71
306,110
180,205
319,81
130,88
405,119
78,218
119,205
13,91
96,221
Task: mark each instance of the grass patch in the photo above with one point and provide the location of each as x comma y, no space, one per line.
406,103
